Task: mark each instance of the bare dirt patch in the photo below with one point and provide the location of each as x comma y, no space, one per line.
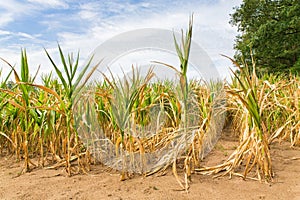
102,183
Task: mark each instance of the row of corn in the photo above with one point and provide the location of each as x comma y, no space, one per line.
131,118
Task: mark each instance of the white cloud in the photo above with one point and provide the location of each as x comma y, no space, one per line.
25,35
3,32
10,10
11,5
18,34
87,14
105,19
5,18
50,3
89,11
211,29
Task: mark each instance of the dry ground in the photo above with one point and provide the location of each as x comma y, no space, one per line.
101,183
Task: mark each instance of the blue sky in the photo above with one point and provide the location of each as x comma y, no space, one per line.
85,24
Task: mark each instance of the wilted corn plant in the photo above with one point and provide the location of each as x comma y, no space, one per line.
32,103
285,110
72,84
22,112
183,52
293,103
211,102
248,100
4,85
126,92
177,115
146,121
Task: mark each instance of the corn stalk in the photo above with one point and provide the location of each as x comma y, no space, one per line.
72,86
254,147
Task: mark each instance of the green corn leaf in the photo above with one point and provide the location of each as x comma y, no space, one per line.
82,73
24,67
62,58
74,70
4,82
58,72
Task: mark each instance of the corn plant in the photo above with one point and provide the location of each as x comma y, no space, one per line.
183,53
22,102
4,85
254,147
126,93
72,84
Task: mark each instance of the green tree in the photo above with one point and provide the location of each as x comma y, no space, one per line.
270,30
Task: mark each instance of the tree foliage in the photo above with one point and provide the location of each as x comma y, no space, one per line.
270,30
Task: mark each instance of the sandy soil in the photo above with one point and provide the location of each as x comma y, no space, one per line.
101,183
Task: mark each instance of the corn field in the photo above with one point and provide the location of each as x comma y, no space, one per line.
50,125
